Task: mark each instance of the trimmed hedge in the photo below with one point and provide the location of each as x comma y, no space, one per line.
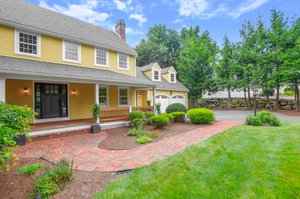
159,121
176,107
170,116
267,117
201,116
178,116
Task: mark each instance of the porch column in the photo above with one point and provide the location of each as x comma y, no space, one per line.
97,97
153,93
2,89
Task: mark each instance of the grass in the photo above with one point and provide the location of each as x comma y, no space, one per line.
242,162
31,169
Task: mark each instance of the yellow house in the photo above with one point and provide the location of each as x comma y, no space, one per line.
59,66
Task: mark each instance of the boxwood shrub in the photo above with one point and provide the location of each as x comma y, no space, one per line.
201,116
178,116
138,114
159,121
176,107
268,118
149,114
168,115
253,121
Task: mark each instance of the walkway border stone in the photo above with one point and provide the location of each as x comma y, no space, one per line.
86,155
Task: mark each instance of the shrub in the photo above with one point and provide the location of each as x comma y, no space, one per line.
201,116
267,117
134,132
13,121
149,114
289,93
253,121
138,123
138,114
159,121
158,106
54,179
31,169
152,134
176,107
144,139
178,116
170,116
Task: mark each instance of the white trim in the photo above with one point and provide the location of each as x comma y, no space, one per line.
96,94
159,75
64,52
135,97
107,58
51,120
107,95
17,43
128,96
162,94
177,95
2,89
118,61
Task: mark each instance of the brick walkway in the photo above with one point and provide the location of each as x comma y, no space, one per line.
84,151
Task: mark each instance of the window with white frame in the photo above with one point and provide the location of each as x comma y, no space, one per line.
123,97
101,57
156,75
71,52
27,43
123,61
172,78
103,96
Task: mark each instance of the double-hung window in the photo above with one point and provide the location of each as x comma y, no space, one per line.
71,52
156,75
123,61
27,43
123,97
101,57
172,78
103,96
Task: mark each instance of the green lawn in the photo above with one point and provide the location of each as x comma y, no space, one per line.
243,162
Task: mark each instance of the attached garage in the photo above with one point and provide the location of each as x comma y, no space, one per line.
178,99
164,101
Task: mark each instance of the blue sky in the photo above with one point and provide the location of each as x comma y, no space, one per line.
219,17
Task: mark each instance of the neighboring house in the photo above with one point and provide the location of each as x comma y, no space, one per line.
59,66
168,89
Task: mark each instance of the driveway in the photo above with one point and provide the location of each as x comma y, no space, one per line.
241,115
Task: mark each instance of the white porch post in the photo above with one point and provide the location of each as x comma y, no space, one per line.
97,97
2,89
153,93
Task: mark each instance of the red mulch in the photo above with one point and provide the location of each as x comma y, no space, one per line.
84,185
117,138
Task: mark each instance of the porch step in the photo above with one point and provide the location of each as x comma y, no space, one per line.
62,130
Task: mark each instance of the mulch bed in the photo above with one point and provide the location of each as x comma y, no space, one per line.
117,138
84,185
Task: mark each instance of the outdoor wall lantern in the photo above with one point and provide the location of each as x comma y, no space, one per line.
25,90
74,92
255,92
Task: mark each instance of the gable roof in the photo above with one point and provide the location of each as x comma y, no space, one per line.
163,84
21,14
166,70
148,67
18,66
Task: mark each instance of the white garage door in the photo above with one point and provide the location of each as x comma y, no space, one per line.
164,102
178,99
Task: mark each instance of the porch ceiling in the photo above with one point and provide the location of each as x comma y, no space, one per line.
37,70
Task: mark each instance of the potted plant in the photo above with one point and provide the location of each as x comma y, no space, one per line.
96,128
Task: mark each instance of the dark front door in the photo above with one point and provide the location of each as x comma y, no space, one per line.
51,100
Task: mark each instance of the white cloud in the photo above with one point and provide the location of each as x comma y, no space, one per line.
123,5
207,9
139,17
84,11
192,7
247,7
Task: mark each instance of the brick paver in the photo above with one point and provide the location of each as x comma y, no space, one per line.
84,151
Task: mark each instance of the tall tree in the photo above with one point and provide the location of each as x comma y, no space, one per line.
225,70
196,62
162,46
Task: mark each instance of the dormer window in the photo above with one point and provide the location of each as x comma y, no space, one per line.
172,78
156,75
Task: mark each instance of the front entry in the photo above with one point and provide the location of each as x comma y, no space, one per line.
51,100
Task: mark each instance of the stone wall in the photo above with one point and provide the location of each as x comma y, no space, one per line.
239,103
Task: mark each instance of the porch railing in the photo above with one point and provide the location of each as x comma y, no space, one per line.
121,112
